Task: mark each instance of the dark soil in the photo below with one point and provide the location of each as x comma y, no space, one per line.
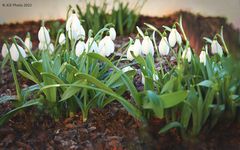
111,127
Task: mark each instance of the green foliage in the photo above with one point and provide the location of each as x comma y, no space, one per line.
121,15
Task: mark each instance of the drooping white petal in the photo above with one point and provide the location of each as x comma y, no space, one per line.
155,77
163,47
42,46
174,37
74,28
91,46
106,46
187,54
112,33
51,48
4,50
216,48
147,46
14,52
43,35
80,47
203,58
137,47
62,39
143,79
129,55
28,44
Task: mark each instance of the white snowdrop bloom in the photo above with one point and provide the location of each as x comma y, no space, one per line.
216,48
147,46
91,46
42,46
80,47
112,33
164,47
126,69
14,52
106,46
187,54
51,48
43,35
136,48
4,50
203,57
174,37
74,28
129,55
28,43
62,39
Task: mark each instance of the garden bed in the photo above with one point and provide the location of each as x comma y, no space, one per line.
111,127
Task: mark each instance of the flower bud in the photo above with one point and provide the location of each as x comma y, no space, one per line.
62,39
51,48
136,48
74,28
28,43
43,35
187,54
4,50
91,46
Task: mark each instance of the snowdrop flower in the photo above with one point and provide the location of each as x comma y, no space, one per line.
62,39
80,47
14,52
147,46
51,48
126,69
106,46
43,35
112,33
187,54
91,46
28,43
4,50
163,47
203,57
143,79
216,48
136,48
74,28
42,46
174,37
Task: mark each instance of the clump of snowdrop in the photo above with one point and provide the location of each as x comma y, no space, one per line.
147,46
174,37
203,57
106,46
4,50
14,52
187,54
74,28
28,43
112,33
62,39
216,48
164,47
136,48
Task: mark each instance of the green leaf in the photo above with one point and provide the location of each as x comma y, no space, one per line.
172,99
169,126
28,76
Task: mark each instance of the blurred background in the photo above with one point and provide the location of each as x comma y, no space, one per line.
54,9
